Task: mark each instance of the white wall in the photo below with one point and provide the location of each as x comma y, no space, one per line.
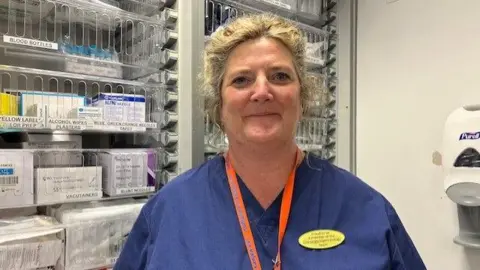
417,61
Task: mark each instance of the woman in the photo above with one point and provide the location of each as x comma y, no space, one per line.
232,211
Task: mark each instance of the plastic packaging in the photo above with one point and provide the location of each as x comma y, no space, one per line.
95,236
30,242
313,7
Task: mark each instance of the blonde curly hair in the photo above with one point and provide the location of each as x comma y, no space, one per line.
249,27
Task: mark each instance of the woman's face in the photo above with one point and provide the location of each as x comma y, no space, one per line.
260,93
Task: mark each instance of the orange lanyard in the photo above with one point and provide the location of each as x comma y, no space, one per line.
243,218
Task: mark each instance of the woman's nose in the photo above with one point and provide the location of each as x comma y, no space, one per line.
261,91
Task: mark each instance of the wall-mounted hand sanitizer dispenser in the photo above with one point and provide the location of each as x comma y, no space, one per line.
461,155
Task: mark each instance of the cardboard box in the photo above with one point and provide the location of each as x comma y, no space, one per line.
16,178
58,185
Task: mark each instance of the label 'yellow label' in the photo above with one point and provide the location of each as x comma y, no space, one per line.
321,239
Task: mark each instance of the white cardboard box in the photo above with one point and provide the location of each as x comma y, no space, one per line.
126,172
59,105
89,113
16,178
121,107
56,185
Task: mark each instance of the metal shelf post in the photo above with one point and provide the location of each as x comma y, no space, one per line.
190,104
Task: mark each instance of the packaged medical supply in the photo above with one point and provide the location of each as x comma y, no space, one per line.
58,104
95,235
33,242
89,113
128,171
120,107
16,178
64,184
8,104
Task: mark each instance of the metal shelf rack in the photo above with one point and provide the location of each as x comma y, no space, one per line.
151,48
300,11
86,37
316,132
61,147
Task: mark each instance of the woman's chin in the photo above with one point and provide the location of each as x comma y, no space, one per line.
262,137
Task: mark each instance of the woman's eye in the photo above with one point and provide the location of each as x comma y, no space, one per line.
281,76
240,81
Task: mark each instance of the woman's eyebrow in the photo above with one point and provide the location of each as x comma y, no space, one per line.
238,71
281,67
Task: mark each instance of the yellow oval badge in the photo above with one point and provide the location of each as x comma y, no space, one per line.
321,239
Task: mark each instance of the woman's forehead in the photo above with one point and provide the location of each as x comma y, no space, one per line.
265,52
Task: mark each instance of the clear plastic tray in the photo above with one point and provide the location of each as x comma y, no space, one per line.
55,100
36,177
215,139
219,12
311,135
141,7
89,37
292,9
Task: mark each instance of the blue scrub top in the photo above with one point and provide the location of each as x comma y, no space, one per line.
191,224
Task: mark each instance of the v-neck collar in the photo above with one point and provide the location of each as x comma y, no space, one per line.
273,210
264,222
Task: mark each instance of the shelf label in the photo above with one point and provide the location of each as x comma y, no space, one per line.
94,69
66,124
30,42
21,122
125,126
278,3
135,190
87,195
92,124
